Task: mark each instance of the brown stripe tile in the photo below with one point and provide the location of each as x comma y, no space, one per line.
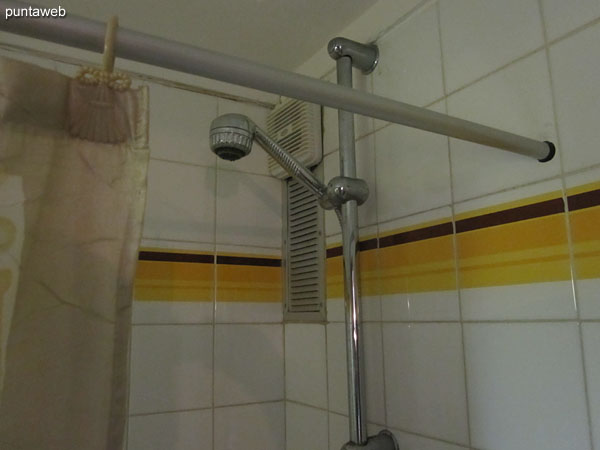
175,257
546,208
419,234
248,261
369,244
584,200
334,251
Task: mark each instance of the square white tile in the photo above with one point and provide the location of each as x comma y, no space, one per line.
171,368
550,300
248,209
248,363
257,160
412,169
180,203
336,368
373,369
424,379
407,441
411,68
478,36
421,306
186,430
339,431
306,428
560,17
170,312
228,312
591,346
525,385
588,297
516,99
575,63
259,426
306,364
179,125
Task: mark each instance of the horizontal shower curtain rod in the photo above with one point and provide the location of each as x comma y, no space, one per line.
88,34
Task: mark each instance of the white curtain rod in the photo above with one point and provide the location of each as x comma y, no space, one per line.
88,34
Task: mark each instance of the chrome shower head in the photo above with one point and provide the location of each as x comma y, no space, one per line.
231,136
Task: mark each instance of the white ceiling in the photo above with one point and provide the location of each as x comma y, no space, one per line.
281,33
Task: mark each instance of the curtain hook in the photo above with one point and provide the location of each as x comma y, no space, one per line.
108,57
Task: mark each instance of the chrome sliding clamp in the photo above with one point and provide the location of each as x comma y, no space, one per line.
343,189
385,440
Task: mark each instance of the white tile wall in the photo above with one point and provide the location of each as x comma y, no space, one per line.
306,428
560,17
171,368
588,290
420,306
408,441
179,125
337,375
248,209
306,364
373,367
525,386
180,202
339,427
248,364
591,345
551,300
411,61
172,359
413,173
516,99
185,430
524,375
575,62
424,379
479,36
170,312
258,426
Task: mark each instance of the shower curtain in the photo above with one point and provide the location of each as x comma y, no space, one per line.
70,224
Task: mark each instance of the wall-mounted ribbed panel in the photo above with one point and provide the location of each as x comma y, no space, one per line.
296,126
305,256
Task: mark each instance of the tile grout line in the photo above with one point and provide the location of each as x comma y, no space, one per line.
569,231
378,259
455,240
328,406
214,293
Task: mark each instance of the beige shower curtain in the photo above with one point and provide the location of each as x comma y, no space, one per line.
70,224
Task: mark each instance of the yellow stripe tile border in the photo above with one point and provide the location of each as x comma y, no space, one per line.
186,276
584,213
518,242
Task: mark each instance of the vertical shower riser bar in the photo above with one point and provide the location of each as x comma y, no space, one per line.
349,224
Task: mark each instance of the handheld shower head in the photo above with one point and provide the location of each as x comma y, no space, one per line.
231,136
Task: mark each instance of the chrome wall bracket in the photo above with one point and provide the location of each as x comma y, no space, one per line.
382,441
364,56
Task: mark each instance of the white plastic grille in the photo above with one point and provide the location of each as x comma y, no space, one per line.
296,126
305,256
